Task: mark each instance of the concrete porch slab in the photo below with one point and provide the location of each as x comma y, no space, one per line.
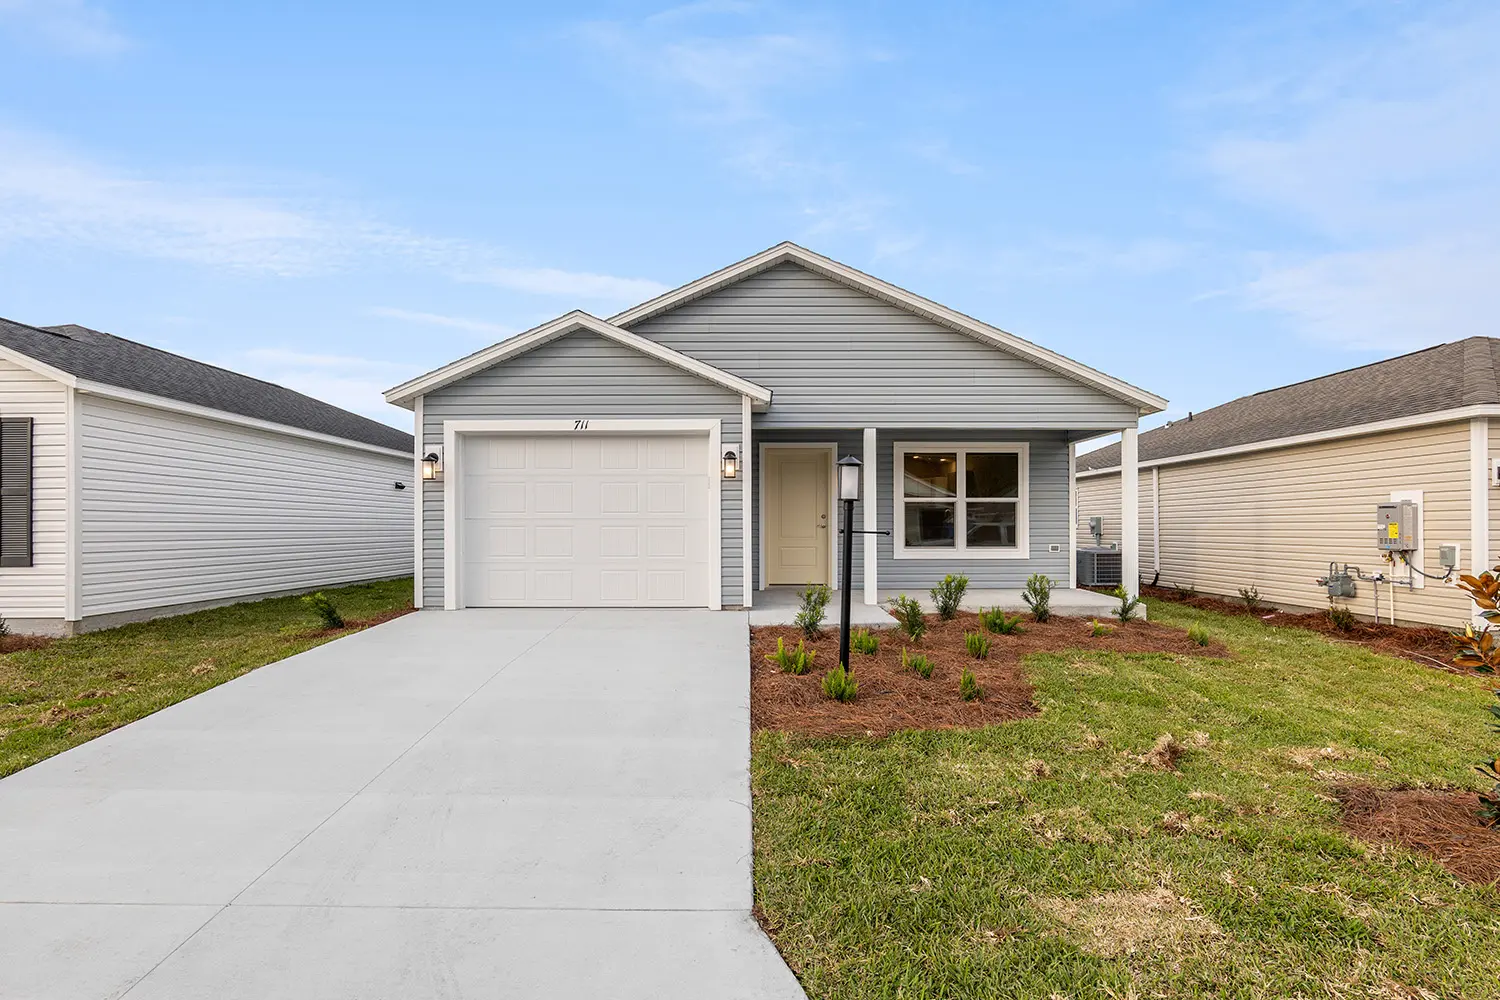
778,606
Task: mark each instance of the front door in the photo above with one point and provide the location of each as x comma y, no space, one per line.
797,530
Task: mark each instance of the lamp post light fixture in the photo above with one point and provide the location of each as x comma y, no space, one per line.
850,469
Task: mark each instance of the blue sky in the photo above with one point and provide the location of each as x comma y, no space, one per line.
1203,199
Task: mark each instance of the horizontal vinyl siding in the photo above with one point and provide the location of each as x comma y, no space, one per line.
38,590
835,357
179,510
1275,519
583,376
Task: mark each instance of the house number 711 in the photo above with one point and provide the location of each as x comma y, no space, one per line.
580,425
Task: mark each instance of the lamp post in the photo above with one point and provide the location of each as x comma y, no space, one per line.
849,477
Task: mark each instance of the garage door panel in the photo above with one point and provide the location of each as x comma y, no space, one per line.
587,521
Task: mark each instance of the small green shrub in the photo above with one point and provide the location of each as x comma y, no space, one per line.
1342,618
814,609
996,621
1198,634
1097,630
918,663
1129,604
840,685
1038,596
978,644
1489,803
4,627
792,661
949,594
323,607
864,641
1251,596
908,614
968,687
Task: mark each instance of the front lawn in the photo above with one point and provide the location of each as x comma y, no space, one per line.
72,690
1057,855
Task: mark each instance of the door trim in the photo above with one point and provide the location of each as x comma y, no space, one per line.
455,430
833,501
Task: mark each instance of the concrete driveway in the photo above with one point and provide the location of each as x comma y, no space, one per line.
454,804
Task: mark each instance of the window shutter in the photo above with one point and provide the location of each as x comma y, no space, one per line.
15,491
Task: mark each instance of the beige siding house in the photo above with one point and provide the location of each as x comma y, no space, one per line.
1270,489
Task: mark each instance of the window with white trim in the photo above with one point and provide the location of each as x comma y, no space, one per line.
966,500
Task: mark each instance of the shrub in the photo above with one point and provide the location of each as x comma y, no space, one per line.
4,627
1097,631
1198,634
792,661
978,644
322,606
968,687
864,641
1038,596
840,685
995,620
814,608
1342,618
918,663
1251,596
949,594
1128,604
908,614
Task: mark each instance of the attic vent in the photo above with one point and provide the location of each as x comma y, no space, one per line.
15,491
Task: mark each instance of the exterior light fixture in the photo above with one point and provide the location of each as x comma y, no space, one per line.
849,476
432,465
731,464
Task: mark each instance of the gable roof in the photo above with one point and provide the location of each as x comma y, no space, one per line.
406,393
782,253
74,353
1447,377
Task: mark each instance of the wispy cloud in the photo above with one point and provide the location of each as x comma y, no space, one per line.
939,152
496,330
352,382
51,195
70,26
1388,160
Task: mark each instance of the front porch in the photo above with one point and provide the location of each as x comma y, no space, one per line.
778,605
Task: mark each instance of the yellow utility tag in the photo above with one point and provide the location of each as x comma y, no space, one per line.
1392,531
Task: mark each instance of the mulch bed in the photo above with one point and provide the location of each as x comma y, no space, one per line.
358,624
892,699
1441,824
16,643
1425,644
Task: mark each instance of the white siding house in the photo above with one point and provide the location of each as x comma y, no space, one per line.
139,504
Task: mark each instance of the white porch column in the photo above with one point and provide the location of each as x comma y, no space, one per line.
1130,511
1479,495
747,515
1072,515
871,459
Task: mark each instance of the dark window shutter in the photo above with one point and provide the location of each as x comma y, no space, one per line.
15,491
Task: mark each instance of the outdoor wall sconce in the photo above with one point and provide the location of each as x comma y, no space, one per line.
731,463
432,465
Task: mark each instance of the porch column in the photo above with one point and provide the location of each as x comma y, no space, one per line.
1479,504
747,515
1130,511
872,498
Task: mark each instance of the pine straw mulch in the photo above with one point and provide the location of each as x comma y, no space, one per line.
1444,825
360,624
892,699
1424,644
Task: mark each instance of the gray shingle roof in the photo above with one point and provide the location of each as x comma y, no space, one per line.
103,357
1463,373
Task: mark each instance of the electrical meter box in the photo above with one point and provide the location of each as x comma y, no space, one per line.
1396,526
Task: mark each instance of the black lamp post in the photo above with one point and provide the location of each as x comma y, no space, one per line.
849,477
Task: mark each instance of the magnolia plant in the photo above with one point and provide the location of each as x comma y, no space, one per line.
1478,650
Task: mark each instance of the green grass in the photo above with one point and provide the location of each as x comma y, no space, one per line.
75,689
964,864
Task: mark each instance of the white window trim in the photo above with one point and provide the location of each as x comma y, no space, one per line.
960,550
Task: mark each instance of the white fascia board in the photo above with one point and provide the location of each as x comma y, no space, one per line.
404,394
1146,402
223,416
39,367
1316,437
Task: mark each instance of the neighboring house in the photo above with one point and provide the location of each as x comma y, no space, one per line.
1267,490
136,483
587,462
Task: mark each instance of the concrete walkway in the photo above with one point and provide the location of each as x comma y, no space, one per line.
454,804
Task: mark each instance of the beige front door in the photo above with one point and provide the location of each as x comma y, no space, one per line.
797,530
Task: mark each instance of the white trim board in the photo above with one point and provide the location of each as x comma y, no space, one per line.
453,480
833,505
747,470
521,343
898,500
1146,402
1315,437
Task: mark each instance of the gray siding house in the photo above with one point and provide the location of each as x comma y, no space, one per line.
682,453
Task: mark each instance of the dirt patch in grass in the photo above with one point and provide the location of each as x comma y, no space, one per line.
356,624
892,699
1444,825
1123,923
16,643
1425,644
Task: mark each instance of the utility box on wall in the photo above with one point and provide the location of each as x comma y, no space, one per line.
1396,526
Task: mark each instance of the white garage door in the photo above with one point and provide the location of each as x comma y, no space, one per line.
588,521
